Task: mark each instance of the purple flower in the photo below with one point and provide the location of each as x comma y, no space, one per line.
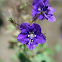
45,10
31,35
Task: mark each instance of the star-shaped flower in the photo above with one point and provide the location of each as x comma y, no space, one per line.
45,10
31,35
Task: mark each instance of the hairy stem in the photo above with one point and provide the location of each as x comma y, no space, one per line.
34,19
11,20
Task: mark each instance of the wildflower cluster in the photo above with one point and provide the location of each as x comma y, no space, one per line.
31,34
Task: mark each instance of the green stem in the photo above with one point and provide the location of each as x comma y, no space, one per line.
25,49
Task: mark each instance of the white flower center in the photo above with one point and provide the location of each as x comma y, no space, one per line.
39,9
31,36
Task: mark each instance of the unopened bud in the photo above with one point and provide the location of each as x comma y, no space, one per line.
9,19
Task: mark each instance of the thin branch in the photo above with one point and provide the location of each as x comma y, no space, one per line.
10,19
34,19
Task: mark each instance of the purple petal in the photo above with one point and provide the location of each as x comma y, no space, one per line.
40,17
35,2
24,27
36,6
41,4
51,10
22,38
37,28
40,39
31,46
44,2
51,18
34,12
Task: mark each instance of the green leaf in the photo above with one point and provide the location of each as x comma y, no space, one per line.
41,58
19,44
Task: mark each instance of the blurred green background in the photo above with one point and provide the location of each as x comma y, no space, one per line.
20,11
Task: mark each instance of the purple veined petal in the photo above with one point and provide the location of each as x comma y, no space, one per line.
31,46
40,17
22,38
44,2
41,4
50,18
37,28
35,2
36,6
45,8
33,13
45,15
24,27
40,39
51,10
